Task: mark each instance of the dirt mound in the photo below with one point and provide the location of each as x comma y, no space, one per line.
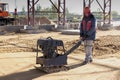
117,28
17,45
23,21
44,20
107,45
104,45
38,21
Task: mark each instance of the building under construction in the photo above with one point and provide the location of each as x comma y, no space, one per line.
106,10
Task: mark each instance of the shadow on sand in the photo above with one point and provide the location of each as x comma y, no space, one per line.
33,73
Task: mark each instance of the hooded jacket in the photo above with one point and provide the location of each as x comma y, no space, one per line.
87,27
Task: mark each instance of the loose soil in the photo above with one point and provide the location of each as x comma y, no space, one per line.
18,58
102,46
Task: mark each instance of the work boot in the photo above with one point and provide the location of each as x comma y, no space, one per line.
91,60
87,61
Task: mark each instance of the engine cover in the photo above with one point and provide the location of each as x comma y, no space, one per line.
49,46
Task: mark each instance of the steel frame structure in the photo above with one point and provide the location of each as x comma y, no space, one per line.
60,10
105,7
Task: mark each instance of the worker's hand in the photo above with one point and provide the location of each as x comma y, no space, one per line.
81,34
86,36
82,38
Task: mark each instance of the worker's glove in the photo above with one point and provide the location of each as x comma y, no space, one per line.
81,34
82,38
86,36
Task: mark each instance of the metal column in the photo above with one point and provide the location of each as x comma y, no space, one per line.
87,3
107,12
31,11
61,12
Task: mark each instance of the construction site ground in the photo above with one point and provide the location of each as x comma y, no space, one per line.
18,57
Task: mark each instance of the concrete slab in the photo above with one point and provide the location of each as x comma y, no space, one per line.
71,32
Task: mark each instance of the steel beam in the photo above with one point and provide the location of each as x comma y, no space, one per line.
87,3
54,5
61,12
31,11
107,12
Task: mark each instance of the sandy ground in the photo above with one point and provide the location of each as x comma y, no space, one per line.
17,58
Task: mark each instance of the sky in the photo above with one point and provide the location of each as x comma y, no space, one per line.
74,6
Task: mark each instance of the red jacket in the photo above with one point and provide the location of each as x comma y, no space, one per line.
88,28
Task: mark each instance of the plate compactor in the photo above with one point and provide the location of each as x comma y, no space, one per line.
54,57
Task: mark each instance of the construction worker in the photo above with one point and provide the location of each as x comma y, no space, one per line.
88,33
